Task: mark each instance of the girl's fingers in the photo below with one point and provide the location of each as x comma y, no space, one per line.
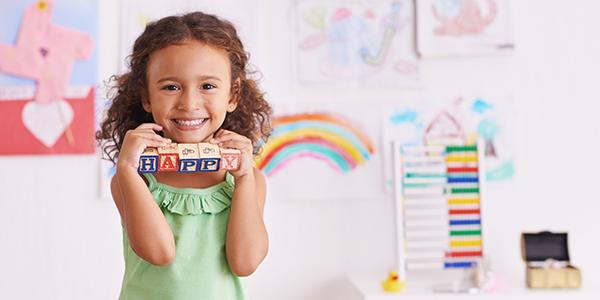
220,138
153,136
229,136
240,145
154,143
218,135
150,126
146,130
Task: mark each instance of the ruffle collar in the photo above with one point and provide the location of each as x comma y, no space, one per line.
193,201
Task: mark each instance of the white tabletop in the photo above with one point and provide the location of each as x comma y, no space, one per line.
419,286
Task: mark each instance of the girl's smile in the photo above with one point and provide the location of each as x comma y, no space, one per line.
189,123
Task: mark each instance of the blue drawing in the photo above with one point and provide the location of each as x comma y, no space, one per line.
405,116
481,106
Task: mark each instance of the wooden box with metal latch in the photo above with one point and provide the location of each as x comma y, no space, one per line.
546,256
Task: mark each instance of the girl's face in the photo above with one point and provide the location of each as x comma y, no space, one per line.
189,90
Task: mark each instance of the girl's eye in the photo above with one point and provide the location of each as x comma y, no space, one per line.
208,86
170,87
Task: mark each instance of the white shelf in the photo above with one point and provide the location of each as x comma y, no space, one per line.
419,287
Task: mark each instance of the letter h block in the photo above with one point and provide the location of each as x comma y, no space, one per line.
168,158
189,158
148,161
210,157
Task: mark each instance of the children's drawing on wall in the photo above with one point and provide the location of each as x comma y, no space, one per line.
462,120
48,72
492,121
358,43
326,153
455,27
135,14
404,121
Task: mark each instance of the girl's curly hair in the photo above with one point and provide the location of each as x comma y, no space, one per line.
252,116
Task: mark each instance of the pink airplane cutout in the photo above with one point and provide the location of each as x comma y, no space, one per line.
45,52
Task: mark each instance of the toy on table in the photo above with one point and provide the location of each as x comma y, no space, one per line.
547,260
393,283
200,157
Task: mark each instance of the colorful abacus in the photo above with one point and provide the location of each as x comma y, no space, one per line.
201,157
439,192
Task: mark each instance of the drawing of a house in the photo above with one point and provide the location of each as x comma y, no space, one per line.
444,130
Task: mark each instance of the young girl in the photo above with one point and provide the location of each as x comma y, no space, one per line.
188,235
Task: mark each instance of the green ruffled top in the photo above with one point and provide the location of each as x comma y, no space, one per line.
198,219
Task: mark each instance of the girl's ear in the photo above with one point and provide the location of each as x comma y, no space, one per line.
146,104
235,95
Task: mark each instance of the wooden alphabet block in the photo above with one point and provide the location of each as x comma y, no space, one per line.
231,158
168,158
189,158
210,157
148,161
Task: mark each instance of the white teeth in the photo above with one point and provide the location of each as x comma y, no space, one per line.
189,122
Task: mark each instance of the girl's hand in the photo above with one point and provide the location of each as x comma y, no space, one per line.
136,140
229,139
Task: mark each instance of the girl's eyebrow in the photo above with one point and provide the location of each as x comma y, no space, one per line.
204,77
171,78
201,77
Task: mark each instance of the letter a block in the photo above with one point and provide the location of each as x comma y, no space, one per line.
231,159
148,161
168,158
189,158
210,157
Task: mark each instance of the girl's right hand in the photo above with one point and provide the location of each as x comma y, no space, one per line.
136,140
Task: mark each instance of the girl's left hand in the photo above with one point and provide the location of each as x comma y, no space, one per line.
229,139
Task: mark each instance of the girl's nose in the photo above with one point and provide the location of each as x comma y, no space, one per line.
189,100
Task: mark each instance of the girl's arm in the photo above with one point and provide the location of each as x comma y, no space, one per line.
247,240
150,235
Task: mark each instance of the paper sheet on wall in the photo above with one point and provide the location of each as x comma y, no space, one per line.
323,153
47,76
363,44
450,27
459,119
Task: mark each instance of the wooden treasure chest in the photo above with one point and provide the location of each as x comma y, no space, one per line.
546,255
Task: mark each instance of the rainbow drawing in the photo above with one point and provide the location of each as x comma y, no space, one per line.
323,136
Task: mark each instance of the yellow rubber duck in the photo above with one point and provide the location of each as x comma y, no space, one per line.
393,283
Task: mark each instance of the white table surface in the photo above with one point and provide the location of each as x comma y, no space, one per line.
512,286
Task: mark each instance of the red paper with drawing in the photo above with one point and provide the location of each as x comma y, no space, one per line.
19,139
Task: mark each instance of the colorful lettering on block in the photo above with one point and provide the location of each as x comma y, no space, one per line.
210,164
189,158
168,158
148,161
231,159
210,157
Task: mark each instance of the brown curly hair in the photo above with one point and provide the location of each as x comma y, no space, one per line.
252,116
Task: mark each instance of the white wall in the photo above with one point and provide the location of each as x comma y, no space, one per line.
59,241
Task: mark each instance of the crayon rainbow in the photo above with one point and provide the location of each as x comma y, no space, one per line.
321,136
